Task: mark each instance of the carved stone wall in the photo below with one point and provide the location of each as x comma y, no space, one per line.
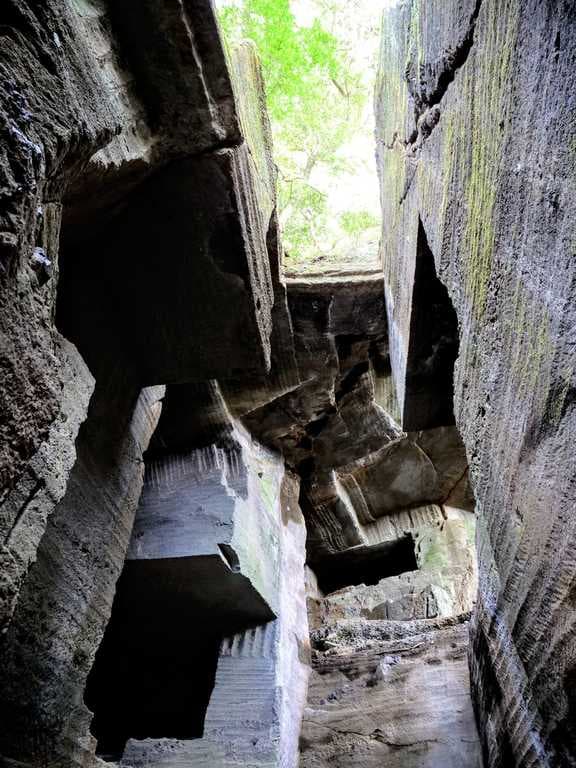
476,154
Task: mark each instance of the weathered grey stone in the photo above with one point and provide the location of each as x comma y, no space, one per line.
489,185
138,220
442,582
66,598
255,709
211,507
26,507
396,694
134,139
81,98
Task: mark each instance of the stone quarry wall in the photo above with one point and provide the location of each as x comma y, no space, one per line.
476,142
172,410
138,248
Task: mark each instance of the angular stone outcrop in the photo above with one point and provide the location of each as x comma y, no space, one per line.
390,693
475,145
134,223
336,428
440,580
90,148
260,685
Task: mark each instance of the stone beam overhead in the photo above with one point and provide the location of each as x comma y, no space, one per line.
85,105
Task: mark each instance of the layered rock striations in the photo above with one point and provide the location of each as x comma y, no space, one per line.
391,693
476,158
138,249
174,409
184,428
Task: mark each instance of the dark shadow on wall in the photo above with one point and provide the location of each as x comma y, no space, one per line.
366,564
153,673
433,347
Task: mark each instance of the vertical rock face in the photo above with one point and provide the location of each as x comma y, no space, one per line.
138,248
173,411
390,693
65,602
140,261
476,157
260,680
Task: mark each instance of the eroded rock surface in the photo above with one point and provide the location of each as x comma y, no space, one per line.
176,415
390,693
440,580
137,221
476,158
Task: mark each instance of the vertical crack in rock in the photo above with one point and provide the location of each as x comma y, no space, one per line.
452,60
427,112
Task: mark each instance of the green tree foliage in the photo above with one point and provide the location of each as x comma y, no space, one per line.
315,101
356,222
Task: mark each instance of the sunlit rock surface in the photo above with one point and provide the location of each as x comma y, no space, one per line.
441,580
261,673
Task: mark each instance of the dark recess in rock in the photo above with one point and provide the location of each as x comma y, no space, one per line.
433,347
153,674
365,564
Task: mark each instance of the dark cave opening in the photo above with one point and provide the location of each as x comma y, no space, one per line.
153,673
365,564
433,347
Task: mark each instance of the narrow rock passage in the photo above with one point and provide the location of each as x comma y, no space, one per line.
220,477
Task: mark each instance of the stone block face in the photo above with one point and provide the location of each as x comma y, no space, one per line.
83,138
214,508
26,506
140,249
255,709
486,169
65,600
362,670
129,205
442,582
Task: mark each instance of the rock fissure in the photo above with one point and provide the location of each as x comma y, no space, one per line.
426,104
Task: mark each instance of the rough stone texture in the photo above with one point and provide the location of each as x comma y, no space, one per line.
444,582
390,693
42,128
243,396
476,153
255,709
98,135
138,223
337,430
25,506
133,221
66,598
211,506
